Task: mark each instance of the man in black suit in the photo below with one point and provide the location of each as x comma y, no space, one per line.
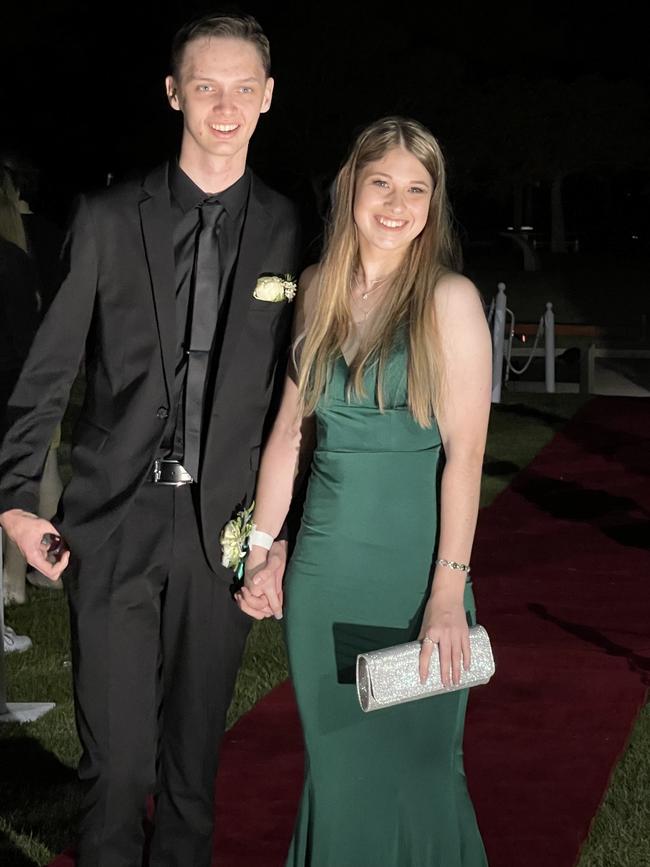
181,357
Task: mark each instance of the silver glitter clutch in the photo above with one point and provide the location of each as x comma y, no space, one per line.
391,675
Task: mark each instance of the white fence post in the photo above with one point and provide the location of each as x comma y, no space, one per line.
3,679
549,348
498,334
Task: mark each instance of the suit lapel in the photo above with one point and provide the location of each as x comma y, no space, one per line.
155,216
254,243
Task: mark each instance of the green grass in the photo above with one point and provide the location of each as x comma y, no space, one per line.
520,426
620,833
38,790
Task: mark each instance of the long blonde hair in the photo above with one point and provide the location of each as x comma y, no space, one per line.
11,223
407,303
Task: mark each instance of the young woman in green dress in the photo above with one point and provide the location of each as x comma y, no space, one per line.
387,402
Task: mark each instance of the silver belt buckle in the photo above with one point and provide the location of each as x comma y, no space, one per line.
156,472
178,477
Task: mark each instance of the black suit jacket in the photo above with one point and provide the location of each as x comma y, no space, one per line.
116,309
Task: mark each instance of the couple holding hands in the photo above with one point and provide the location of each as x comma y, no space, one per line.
216,377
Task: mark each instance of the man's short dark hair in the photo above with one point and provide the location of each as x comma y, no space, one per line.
231,25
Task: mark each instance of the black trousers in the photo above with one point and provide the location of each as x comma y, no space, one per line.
157,641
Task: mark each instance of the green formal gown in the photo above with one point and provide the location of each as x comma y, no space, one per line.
387,788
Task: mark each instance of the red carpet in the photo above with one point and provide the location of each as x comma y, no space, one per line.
561,565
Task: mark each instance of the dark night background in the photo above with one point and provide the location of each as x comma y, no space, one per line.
518,94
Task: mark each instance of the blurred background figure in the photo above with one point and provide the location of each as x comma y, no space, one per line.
19,303
23,301
43,236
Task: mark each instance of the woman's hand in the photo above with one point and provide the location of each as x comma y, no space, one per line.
445,624
261,593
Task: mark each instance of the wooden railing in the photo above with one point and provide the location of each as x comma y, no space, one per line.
593,341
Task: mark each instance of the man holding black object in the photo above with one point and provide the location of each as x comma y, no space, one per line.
181,361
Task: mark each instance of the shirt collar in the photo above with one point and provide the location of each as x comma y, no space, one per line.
185,192
187,195
235,196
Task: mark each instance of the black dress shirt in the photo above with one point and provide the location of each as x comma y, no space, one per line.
186,198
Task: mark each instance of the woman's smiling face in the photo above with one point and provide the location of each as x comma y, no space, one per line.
391,201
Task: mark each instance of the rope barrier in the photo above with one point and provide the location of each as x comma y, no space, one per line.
497,315
538,334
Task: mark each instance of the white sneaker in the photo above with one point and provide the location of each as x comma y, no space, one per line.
15,643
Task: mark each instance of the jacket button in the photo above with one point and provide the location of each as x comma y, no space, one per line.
162,412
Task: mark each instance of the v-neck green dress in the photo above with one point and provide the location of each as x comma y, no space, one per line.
387,788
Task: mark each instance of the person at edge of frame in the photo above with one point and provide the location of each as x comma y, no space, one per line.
181,357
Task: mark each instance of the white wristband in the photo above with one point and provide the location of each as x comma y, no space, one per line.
259,538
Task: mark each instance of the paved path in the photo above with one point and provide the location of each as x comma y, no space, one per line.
630,378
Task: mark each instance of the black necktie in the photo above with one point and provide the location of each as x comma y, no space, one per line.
205,311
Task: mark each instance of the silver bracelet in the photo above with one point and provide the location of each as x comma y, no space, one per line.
452,564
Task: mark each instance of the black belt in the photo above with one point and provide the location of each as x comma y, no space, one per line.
169,473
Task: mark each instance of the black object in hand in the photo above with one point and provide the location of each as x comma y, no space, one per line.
56,547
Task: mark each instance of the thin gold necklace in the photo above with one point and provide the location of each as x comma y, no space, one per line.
374,285
363,295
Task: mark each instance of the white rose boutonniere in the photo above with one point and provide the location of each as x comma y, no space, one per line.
275,287
234,540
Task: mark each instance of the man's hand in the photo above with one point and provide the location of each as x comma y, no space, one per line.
267,579
27,531
255,606
261,595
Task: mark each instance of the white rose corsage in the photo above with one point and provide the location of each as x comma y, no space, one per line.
275,287
234,540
